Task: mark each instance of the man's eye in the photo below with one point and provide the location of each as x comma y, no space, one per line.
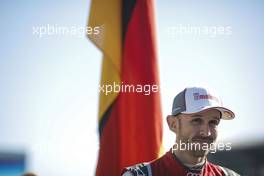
197,121
214,122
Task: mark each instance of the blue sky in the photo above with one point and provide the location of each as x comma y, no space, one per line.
49,85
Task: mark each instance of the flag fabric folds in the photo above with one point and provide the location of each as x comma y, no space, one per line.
130,122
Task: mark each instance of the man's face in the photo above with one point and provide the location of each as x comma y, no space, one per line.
198,129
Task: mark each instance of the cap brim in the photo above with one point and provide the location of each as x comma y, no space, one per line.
226,113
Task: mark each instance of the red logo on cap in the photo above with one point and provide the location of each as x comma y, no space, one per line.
197,96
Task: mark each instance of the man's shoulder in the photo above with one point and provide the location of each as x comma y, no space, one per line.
159,165
229,172
226,171
142,169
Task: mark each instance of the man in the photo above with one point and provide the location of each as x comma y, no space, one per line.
196,113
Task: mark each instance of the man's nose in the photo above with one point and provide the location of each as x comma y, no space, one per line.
205,130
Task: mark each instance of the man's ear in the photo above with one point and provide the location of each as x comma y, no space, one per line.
172,123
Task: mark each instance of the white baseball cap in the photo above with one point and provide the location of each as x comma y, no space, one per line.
196,99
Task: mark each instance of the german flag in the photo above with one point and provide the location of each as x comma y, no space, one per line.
130,122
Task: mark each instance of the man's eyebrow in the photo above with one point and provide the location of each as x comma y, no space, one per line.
196,115
216,117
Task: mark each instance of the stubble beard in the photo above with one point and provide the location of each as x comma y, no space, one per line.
198,151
